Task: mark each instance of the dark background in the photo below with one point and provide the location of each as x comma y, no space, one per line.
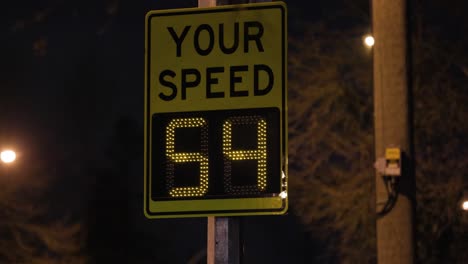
71,103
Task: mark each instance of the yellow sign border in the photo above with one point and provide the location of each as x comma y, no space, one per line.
216,207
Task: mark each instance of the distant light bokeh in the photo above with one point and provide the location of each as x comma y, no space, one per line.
8,156
369,41
465,205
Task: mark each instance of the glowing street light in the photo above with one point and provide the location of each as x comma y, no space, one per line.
464,205
369,41
464,201
8,156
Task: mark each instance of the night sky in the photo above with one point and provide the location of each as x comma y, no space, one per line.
72,73
71,103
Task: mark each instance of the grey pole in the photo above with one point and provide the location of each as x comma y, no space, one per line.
223,243
395,231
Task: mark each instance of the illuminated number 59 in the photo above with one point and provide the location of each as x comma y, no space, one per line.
182,157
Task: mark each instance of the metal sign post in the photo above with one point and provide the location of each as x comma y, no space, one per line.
223,239
216,116
224,244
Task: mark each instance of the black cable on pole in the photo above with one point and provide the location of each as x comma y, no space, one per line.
391,184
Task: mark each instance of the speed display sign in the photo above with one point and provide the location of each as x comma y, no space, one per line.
215,111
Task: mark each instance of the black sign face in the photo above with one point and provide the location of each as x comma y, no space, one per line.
216,154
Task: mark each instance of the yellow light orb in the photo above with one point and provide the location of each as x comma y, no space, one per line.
465,205
8,156
369,41
283,195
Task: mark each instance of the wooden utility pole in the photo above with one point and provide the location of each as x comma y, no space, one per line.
395,231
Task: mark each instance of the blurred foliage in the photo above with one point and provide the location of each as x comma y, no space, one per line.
29,231
330,140
440,64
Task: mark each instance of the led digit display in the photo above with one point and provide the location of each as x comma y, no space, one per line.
214,154
173,157
232,155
